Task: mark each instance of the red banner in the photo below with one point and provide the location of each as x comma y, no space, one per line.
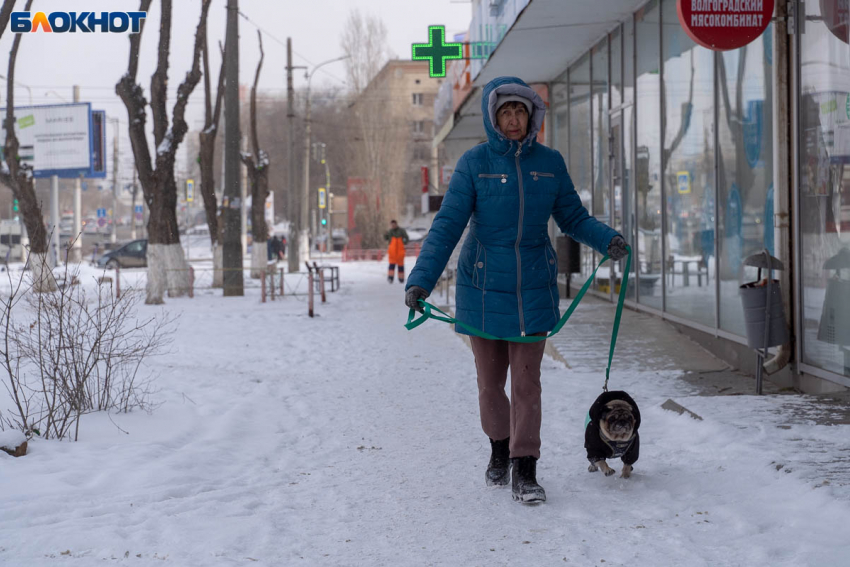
724,24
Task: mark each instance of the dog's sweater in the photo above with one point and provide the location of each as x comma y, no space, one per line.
599,448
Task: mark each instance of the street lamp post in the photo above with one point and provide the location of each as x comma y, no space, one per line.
113,237
305,195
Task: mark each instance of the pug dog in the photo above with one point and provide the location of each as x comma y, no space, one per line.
611,431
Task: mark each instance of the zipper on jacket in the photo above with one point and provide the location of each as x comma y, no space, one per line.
535,174
502,176
516,246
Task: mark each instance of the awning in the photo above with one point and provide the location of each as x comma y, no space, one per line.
467,123
550,34
546,37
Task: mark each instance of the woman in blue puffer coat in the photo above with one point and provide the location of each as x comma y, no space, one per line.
506,189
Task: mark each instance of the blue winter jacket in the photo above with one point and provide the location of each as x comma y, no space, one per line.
507,269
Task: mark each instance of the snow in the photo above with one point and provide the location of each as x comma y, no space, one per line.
11,439
165,145
344,439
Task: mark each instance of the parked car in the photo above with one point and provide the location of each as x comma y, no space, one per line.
132,255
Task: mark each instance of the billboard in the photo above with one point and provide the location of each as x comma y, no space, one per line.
59,140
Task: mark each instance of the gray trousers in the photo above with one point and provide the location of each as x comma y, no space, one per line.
518,418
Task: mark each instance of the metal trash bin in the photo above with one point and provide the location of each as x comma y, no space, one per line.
764,314
569,257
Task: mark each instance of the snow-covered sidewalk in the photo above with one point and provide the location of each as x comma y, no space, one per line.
347,440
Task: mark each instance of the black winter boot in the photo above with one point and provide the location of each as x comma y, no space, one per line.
497,469
524,477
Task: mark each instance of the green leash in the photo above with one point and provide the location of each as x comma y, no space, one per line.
428,313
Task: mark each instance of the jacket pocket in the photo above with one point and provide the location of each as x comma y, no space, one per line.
479,267
535,175
502,176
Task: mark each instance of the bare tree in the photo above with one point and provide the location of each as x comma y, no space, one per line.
207,155
77,353
379,149
258,176
5,14
377,154
166,261
18,176
364,40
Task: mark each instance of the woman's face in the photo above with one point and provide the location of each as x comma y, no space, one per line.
512,119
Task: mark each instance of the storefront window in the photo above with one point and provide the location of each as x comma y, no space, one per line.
581,163
624,199
745,148
825,188
688,108
601,188
629,61
559,112
616,69
647,154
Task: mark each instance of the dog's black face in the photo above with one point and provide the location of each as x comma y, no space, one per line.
617,423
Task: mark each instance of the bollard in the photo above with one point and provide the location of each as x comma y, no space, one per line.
281,282
191,282
322,283
310,286
263,289
271,283
117,282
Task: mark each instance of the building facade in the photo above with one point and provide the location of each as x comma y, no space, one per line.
398,105
700,158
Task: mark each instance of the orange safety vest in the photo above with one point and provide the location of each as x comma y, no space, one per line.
395,252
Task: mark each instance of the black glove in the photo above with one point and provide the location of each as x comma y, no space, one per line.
617,248
413,295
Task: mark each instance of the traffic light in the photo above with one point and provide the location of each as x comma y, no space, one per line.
15,206
324,222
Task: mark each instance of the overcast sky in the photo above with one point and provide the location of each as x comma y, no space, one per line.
51,63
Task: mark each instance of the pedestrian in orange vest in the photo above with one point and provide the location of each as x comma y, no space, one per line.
397,237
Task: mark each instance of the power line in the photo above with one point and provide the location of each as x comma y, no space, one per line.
282,43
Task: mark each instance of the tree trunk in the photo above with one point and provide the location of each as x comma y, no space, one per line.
208,184
259,259
218,265
20,180
166,262
42,276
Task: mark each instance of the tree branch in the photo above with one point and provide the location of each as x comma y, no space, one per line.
133,98
254,140
5,14
193,77
159,80
219,96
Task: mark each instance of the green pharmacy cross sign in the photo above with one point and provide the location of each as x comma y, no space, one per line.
437,51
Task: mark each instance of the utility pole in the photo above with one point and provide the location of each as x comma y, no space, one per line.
305,195
133,216
77,236
113,237
291,200
232,249
329,244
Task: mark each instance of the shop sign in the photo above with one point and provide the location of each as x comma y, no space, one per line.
836,17
724,24
684,182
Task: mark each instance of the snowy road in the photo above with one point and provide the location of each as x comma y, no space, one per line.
347,440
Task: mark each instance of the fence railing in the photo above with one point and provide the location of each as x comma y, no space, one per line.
275,282
376,254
